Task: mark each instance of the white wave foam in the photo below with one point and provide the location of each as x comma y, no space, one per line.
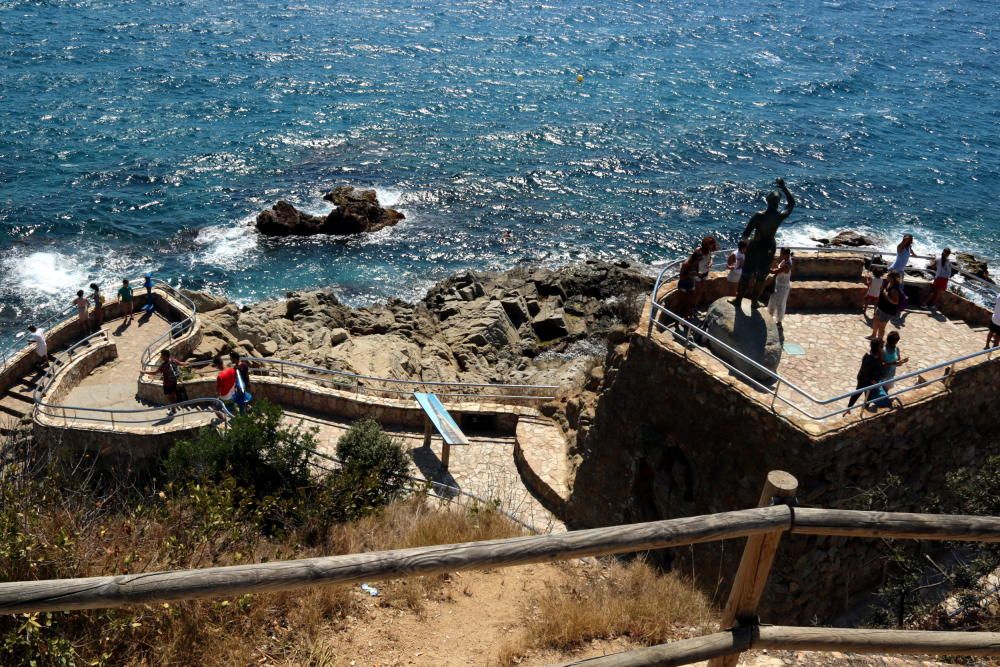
226,245
45,272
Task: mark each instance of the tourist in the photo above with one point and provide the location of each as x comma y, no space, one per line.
903,252
874,281
98,304
242,367
125,297
37,335
688,278
82,311
782,286
891,359
943,271
147,282
889,300
735,266
761,248
869,373
229,385
993,335
170,372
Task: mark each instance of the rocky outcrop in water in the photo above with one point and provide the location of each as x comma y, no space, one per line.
522,326
848,239
355,212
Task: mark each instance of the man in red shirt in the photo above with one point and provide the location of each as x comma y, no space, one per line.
229,386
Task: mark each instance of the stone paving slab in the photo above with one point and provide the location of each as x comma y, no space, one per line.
113,385
834,343
484,468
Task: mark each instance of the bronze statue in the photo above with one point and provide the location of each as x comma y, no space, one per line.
760,251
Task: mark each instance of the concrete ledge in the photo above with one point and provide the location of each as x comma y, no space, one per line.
542,463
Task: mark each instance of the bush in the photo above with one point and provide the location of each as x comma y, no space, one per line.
258,450
374,466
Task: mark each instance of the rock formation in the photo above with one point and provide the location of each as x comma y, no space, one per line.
513,327
751,331
355,212
848,239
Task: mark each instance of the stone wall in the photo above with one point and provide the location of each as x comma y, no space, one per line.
671,439
114,446
309,397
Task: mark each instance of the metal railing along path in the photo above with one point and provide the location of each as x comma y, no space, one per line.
403,388
176,328
116,416
689,335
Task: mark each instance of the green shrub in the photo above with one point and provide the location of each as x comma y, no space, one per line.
258,450
375,466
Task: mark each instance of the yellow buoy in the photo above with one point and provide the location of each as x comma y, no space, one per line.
579,78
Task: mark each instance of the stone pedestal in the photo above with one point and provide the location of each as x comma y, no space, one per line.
751,331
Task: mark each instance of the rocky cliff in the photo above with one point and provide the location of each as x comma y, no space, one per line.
538,326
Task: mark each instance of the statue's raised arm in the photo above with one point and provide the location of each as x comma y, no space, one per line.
789,199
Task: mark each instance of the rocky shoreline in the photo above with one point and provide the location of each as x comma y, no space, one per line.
526,325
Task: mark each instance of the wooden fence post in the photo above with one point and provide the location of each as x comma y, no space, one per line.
755,566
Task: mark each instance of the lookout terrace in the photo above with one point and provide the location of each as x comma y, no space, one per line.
805,372
692,408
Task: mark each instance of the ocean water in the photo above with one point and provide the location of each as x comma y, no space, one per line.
147,134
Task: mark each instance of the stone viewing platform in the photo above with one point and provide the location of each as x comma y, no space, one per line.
676,432
824,338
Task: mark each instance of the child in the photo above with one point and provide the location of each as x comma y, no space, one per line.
942,275
874,281
735,266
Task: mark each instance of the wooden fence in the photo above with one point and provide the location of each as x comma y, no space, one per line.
763,527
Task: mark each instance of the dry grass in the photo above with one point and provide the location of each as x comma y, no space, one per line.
615,600
413,523
75,539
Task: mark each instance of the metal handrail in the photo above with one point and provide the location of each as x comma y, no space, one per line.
43,385
773,392
656,307
355,377
175,328
53,410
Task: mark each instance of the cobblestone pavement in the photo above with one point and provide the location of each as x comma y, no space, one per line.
485,468
834,343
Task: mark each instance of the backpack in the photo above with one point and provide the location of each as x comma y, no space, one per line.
173,370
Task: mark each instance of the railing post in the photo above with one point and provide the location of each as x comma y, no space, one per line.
774,396
755,566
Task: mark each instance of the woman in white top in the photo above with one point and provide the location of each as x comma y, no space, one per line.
735,266
942,275
875,282
782,286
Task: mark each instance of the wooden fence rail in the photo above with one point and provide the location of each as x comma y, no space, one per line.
763,526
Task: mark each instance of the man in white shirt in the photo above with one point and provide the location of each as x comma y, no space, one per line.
993,335
37,336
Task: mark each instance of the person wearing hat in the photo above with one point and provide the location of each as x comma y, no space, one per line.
762,247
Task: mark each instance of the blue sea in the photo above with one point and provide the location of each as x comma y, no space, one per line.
147,135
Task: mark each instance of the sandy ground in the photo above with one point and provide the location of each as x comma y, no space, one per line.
473,614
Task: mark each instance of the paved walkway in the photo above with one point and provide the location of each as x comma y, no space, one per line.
832,345
113,385
485,468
